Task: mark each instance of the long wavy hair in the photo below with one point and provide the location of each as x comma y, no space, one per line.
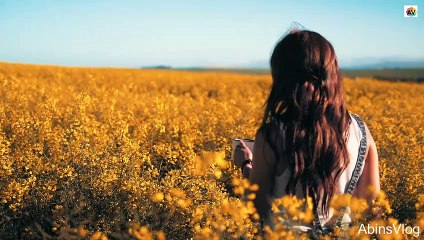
306,108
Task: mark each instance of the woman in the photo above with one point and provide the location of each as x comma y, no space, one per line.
308,144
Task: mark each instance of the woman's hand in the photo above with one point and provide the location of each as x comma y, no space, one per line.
241,153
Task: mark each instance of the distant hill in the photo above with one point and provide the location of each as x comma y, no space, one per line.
360,63
157,67
400,74
384,64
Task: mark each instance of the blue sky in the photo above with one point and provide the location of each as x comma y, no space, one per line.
200,33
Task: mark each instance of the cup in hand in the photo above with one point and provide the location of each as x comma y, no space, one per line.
236,141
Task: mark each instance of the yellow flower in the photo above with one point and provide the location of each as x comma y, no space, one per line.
178,193
158,197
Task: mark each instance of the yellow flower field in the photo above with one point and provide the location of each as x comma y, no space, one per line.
141,154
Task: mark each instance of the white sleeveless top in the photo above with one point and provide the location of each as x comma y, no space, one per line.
281,181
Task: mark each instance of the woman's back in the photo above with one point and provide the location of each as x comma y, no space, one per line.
353,143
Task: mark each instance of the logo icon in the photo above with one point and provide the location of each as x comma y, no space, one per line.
410,11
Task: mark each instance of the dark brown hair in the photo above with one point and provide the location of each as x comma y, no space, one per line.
306,108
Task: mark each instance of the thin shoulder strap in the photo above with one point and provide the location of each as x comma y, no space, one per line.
361,156
358,166
318,226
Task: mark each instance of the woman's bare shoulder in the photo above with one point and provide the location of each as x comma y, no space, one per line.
270,130
371,151
270,144
370,140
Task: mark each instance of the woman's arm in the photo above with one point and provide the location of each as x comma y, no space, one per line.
262,173
370,176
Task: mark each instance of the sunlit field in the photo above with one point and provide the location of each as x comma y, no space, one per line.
140,154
